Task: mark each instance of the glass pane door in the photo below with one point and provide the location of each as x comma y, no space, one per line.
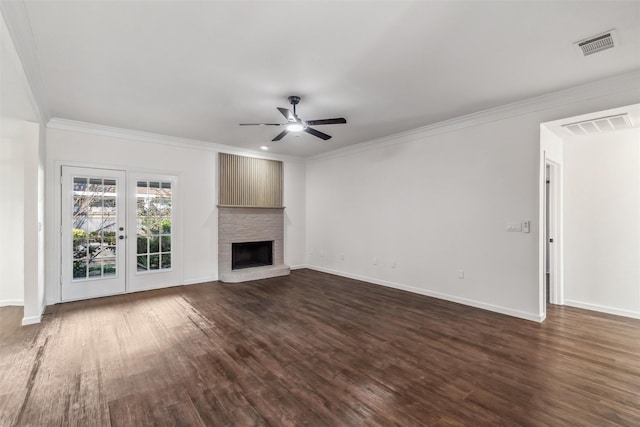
93,234
155,249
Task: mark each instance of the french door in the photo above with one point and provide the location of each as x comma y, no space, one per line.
93,232
154,243
118,232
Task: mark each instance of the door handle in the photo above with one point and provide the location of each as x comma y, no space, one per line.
121,237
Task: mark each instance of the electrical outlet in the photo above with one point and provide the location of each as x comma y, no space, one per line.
375,261
460,274
341,257
526,226
393,264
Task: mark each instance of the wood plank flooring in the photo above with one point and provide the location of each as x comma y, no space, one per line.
313,349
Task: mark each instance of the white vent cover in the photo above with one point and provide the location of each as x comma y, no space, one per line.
604,41
600,125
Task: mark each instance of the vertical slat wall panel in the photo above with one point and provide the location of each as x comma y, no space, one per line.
246,181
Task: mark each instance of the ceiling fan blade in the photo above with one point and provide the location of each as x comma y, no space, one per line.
261,124
337,121
317,133
280,135
287,114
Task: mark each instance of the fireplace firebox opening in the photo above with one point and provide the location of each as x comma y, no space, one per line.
251,254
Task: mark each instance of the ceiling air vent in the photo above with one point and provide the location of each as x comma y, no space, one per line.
597,43
599,125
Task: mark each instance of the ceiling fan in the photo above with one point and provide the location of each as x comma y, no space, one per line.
295,124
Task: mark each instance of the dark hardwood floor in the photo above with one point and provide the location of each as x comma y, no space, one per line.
313,349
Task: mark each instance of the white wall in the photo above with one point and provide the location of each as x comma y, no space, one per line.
33,231
602,222
294,214
196,169
21,193
551,145
41,216
436,201
11,213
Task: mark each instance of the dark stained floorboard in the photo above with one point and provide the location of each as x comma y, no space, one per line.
313,349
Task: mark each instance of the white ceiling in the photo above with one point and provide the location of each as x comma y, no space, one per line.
197,69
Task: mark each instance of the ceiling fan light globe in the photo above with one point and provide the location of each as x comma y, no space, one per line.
295,127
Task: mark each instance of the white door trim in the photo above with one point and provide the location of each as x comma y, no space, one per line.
555,232
556,285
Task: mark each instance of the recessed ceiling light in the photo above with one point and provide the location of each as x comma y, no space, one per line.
264,147
295,127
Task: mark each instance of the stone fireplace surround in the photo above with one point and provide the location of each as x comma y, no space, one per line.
248,224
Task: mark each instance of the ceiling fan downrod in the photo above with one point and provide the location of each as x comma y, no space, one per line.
294,100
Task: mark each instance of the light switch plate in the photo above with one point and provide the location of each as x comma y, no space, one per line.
514,227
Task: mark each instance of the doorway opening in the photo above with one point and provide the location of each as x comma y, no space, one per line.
588,210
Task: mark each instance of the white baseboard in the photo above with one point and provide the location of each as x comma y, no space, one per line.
602,309
477,304
299,266
11,302
34,319
31,320
198,280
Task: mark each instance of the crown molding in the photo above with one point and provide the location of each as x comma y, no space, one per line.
608,86
14,14
621,83
154,138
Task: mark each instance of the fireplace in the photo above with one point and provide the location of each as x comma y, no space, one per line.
237,225
251,254
250,219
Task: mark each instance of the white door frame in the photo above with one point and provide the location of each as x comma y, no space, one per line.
555,232
556,288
